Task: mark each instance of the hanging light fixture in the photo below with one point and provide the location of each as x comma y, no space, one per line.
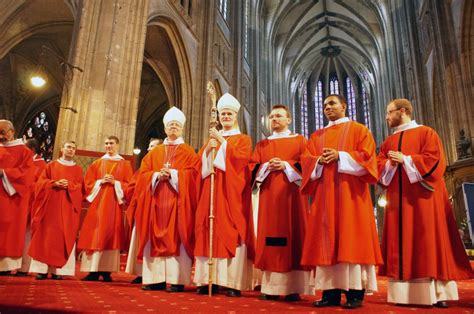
37,80
39,77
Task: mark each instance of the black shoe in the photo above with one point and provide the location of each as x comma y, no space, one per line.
41,276
205,289
326,302
93,276
294,297
175,288
106,276
233,293
441,304
21,274
352,304
56,277
5,273
155,286
269,297
257,288
330,297
137,280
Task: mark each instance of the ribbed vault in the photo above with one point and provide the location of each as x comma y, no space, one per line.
314,40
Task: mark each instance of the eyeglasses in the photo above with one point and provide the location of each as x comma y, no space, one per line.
277,116
390,111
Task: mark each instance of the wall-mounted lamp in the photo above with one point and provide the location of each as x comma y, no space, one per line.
39,77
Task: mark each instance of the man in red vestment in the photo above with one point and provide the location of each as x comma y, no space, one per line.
281,208
232,205
166,204
55,217
16,179
134,266
39,164
38,161
423,252
341,239
102,237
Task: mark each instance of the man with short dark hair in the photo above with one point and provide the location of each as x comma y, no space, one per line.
16,179
102,237
423,252
341,239
55,219
281,210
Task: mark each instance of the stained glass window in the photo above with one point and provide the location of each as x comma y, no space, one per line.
318,105
365,107
351,104
246,29
334,86
304,111
41,128
223,8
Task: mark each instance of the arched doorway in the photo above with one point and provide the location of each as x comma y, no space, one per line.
34,111
165,80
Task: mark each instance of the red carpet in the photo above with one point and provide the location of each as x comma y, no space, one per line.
25,294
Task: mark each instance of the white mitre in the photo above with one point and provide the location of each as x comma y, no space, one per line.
174,114
227,101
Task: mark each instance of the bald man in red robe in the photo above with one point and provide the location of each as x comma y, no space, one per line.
102,235
423,252
281,208
16,179
55,217
341,240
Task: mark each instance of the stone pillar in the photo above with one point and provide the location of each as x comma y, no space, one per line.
108,44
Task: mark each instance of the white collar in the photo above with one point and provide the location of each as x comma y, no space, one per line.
283,134
230,132
409,125
36,158
338,121
114,157
65,162
16,142
177,141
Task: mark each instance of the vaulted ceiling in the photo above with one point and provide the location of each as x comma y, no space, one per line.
313,38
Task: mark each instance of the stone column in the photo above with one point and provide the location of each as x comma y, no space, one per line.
108,44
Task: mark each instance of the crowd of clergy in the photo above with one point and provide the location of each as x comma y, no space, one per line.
293,216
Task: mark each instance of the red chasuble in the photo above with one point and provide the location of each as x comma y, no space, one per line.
131,202
282,208
16,160
341,224
55,217
39,165
102,228
163,216
131,188
420,236
232,202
